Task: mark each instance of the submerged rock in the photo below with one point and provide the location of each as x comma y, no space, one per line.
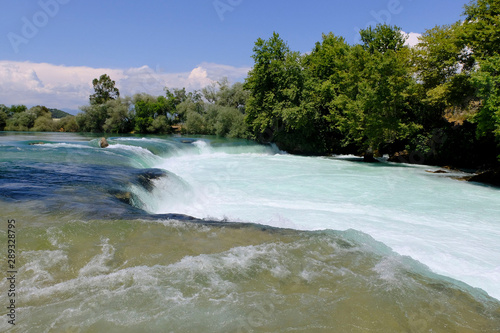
437,171
369,158
145,177
103,143
123,196
491,177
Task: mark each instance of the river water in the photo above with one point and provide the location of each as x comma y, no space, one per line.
199,234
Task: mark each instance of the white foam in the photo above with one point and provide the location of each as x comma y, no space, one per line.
63,145
99,264
450,226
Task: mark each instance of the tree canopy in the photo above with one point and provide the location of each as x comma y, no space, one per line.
104,90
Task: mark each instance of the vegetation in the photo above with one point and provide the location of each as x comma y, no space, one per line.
104,90
436,103
439,100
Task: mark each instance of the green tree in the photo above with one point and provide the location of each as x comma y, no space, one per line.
93,118
443,65
4,111
3,120
155,114
21,121
104,90
193,103
223,94
481,32
327,73
195,124
68,124
44,124
382,38
275,86
15,109
377,113
120,116
487,81
41,111
437,56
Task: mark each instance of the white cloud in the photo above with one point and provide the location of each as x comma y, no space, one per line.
412,38
68,87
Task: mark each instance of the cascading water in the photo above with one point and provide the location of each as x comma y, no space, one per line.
283,242
450,226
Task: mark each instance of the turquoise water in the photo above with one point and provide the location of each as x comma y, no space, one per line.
279,242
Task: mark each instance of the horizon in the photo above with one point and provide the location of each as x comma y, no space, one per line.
52,49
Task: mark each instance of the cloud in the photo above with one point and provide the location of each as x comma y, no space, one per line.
412,38
68,87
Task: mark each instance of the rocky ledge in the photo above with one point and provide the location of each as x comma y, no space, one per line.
491,177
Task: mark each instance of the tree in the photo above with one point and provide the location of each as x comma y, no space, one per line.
481,31
104,90
326,72
487,81
68,124
275,86
44,124
3,119
382,38
21,121
155,114
437,56
93,118
16,109
377,112
120,116
223,94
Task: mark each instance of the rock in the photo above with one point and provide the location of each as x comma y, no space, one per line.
462,178
125,197
437,171
491,177
400,157
368,157
103,143
146,177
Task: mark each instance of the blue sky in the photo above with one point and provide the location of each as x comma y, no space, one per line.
51,49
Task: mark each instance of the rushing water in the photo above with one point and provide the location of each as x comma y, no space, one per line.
175,234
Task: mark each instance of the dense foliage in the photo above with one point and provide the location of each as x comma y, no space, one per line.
37,118
437,102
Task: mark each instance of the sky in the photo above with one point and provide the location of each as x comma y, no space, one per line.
50,50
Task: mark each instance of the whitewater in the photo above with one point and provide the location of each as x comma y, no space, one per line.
203,234
451,226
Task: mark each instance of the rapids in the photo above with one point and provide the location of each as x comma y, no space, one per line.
203,234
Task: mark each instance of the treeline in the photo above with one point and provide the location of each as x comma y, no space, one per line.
38,118
438,102
218,109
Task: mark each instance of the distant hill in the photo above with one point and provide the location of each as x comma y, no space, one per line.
57,114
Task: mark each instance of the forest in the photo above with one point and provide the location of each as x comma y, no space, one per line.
435,103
